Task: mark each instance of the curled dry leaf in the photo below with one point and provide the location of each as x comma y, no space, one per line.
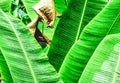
33,27
41,37
46,10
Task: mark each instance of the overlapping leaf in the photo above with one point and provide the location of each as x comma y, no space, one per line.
25,59
106,22
104,64
28,5
5,5
77,15
6,76
61,5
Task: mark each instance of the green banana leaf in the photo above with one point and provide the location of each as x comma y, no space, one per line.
60,5
25,58
77,15
5,5
104,65
105,23
28,5
4,71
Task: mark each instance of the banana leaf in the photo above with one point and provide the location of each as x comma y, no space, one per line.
104,65
4,71
28,5
105,23
5,5
25,58
77,15
61,5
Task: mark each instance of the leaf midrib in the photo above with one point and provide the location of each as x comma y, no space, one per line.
116,70
23,49
115,20
80,24
94,18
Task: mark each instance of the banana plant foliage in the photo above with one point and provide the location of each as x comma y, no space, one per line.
4,70
6,6
105,23
23,56
28,5
76,16
104,65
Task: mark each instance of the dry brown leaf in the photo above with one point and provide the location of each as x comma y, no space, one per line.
46,10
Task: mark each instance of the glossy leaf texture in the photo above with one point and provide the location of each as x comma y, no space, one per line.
104,65
5,5
77,15
61,5
105,23
25,59
5,72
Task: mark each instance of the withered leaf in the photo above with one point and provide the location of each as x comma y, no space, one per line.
46,10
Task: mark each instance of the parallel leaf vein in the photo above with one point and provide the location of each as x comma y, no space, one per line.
23,49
